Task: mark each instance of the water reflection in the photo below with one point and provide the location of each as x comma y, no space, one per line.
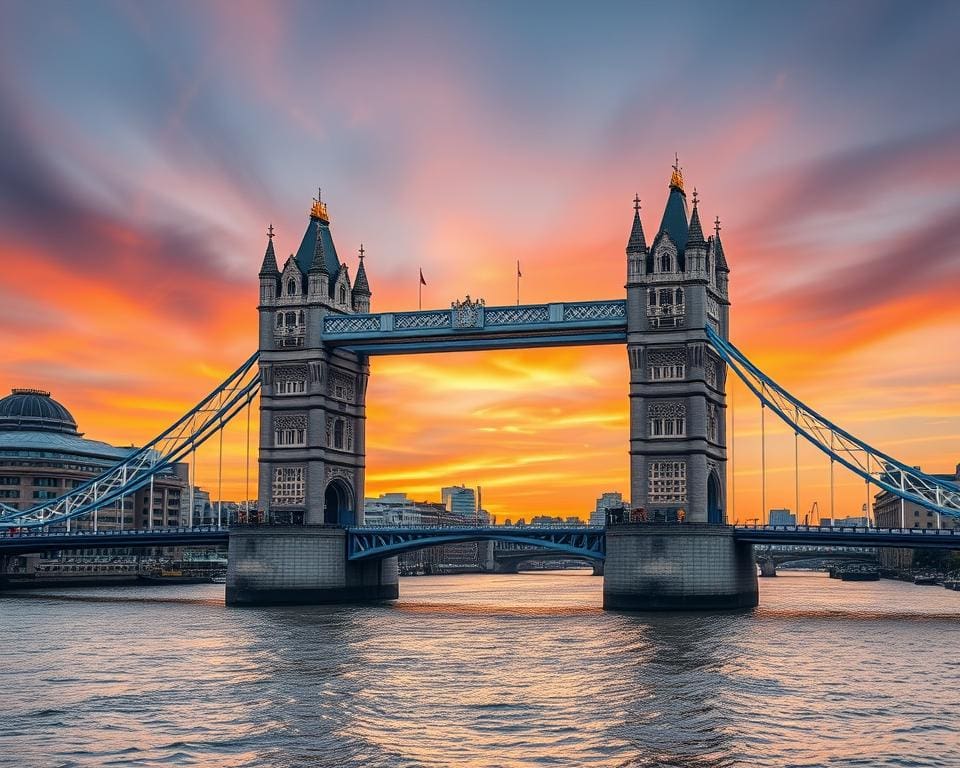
483,671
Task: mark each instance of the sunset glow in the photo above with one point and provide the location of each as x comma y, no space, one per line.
139,179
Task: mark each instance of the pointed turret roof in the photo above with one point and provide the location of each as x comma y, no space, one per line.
319,263
319,224
674,221
360,284
269,267
721,259
637,242
695,232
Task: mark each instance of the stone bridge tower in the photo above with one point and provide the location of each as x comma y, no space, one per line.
675,289
312,412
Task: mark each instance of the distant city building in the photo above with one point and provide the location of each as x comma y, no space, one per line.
861,521
397,509
610,500
782,517
461,501
890,511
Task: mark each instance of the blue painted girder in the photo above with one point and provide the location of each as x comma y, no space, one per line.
373,543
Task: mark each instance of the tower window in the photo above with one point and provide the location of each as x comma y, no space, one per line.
291,287
666,264
343,295
288,485
290,431
666,364
713,423
667,482
667,420
338,434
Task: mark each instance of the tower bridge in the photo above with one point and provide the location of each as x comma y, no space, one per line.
317,332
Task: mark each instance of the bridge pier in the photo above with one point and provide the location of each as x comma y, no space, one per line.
598,567
768,568
677,567
303,565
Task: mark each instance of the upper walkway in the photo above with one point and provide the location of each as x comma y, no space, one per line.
473,326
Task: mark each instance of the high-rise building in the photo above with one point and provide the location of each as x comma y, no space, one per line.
610,500
782,517
460,501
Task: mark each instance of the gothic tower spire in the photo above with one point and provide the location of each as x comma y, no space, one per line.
637,242
695,233
269,267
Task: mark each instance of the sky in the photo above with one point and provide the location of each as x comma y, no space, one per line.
147,146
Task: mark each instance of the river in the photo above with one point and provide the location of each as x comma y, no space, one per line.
473,670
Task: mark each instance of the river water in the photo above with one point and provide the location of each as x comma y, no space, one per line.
471,670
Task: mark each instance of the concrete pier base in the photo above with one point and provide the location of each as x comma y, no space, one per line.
690,566
768,568
303,565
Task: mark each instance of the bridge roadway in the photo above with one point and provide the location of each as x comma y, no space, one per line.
372,542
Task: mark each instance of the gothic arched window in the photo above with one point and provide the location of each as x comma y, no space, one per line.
301,314
291,287
343,295
652,297
338,434
679,296
665,265
291,319
279,319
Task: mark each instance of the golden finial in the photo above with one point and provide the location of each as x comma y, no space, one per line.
676,179
319,208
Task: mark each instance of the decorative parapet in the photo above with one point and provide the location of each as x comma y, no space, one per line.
595,310
467,313
350,324
417,320
517,315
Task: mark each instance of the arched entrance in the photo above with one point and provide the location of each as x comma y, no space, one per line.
338,507
714,500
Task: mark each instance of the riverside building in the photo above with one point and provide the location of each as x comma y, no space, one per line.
43,455
892,512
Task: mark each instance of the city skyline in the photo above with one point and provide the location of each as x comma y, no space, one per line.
140,216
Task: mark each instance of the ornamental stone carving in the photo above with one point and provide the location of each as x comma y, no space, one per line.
467,313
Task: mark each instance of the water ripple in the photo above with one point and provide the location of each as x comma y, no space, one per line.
522,670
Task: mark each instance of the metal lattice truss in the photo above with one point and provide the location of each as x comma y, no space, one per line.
189,432
374,543
875,467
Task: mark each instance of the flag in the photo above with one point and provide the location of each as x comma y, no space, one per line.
519,273
422,281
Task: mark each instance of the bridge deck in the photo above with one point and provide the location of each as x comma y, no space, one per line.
586,541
